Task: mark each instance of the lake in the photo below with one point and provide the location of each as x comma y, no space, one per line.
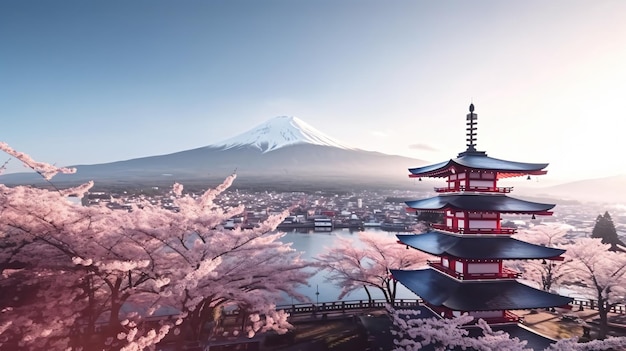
315,243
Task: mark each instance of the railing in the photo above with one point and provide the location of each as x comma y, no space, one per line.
485,189
506,273
341,306
593,304
509,231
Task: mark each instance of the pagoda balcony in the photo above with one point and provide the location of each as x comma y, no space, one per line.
483,189
509,231
505,274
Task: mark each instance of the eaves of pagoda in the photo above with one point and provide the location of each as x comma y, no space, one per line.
473,247
439,289
478,160
480,203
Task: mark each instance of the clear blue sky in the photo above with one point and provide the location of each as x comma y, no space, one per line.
97,81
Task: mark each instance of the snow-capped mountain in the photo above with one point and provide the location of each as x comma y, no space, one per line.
283,153
279,132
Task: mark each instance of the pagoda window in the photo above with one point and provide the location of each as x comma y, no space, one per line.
481,268
474,175
480,215
445,262
461,223
486,224
458,267
481,183
489,176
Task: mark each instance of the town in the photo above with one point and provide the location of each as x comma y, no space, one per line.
321,211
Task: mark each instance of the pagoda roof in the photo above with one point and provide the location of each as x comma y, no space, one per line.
439,289
480,161
479,202
477,246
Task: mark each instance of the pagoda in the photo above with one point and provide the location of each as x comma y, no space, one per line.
471,244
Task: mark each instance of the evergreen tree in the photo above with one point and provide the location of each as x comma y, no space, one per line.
605,229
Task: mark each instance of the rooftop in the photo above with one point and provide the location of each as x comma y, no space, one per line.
476,246
480,202
442,290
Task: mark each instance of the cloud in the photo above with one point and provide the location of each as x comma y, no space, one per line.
423,147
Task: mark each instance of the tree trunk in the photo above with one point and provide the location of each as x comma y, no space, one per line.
114,317
603,313
392,292
369,296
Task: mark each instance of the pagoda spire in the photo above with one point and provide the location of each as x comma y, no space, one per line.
472,121
472,131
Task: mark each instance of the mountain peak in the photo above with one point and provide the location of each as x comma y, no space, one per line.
279,132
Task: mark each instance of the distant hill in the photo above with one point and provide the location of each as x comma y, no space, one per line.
283,153
608,189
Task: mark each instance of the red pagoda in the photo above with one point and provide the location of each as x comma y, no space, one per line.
471,244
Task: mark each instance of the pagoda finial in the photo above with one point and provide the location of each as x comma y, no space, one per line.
472,120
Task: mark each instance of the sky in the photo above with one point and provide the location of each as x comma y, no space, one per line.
85,82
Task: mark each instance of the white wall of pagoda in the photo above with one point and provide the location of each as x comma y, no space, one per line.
464,221
482,268
474,269
472,180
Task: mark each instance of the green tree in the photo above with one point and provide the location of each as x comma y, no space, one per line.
605,229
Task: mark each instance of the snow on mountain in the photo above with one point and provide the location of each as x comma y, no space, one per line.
279,132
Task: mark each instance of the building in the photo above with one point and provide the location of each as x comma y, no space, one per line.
471,245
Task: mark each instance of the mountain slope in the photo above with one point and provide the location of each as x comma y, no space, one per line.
283,152
608,189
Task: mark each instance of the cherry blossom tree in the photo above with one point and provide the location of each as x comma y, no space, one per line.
602,273
211,267
366,264
68,273
414,333
547,274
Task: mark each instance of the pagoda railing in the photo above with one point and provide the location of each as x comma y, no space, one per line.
509,231
486,189
505,274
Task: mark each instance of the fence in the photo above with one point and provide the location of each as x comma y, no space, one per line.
340,306
343,306
593,304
